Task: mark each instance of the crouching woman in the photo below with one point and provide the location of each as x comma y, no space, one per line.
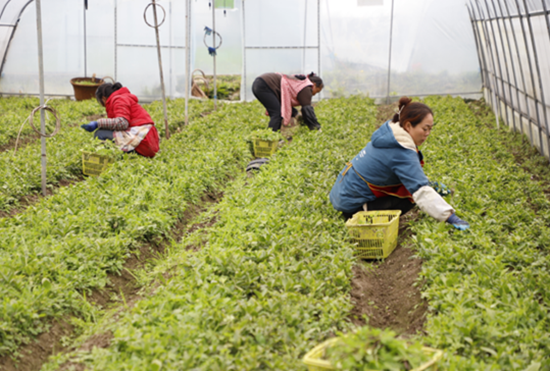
128,124
387,174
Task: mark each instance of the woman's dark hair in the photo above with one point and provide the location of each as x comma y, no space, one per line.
105,90
413,112
315,79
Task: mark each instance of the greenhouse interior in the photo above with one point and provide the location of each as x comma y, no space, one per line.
275,185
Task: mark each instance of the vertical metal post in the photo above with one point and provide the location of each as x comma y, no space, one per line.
530,73
187,57
541,87
41,87
160,70
513,66
389,57
85,41
491,54
521,69
243,74
546,15
305,28
170,75
319,40
477,39
494,51
214,56
506,67
116,40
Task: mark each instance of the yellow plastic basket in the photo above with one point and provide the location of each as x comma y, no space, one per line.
94,164
264,148
315,362
374,233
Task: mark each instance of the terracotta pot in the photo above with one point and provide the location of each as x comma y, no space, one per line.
85,91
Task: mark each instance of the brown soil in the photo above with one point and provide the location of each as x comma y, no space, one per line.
385,291
122,290
29,200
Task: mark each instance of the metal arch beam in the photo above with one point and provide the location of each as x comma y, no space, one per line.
477,38
525,95
506,67
530,71
541,87
12,32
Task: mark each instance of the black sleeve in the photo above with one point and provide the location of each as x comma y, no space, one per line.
305,96
309,117
294,112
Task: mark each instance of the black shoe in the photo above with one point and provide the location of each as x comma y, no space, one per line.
314,127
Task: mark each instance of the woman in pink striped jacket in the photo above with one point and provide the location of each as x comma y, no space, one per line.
281,93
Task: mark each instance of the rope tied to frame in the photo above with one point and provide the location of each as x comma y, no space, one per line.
211,49
30,119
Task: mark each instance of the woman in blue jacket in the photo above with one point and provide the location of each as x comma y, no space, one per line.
387,174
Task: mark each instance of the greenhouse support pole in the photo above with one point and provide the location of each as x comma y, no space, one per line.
480,53
243,73
530,73
521,69
547,125
187,57
513,65
506,66
214,56
305,34
494,51
490,53
389,57
85,41
540,101
115,39
41,85
319,41
160,70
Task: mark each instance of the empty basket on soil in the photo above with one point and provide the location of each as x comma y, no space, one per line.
374,232
94,164
314,359
264,148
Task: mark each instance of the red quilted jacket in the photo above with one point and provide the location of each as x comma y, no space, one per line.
122,103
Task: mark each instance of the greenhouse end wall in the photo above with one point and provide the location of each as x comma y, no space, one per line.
378,48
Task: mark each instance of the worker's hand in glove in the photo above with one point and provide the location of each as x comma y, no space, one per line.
441,188
458,223
90,126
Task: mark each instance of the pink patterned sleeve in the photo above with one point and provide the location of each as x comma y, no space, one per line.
116,124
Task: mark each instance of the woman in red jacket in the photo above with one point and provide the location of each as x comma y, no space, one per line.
128,124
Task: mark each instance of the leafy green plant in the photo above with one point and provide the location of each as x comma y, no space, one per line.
20,173
55,252
268,280
374,349
265,134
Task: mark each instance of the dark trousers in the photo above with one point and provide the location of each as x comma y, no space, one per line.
267,97
103,134
385,203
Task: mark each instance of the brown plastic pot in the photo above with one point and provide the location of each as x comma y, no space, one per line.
86,90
